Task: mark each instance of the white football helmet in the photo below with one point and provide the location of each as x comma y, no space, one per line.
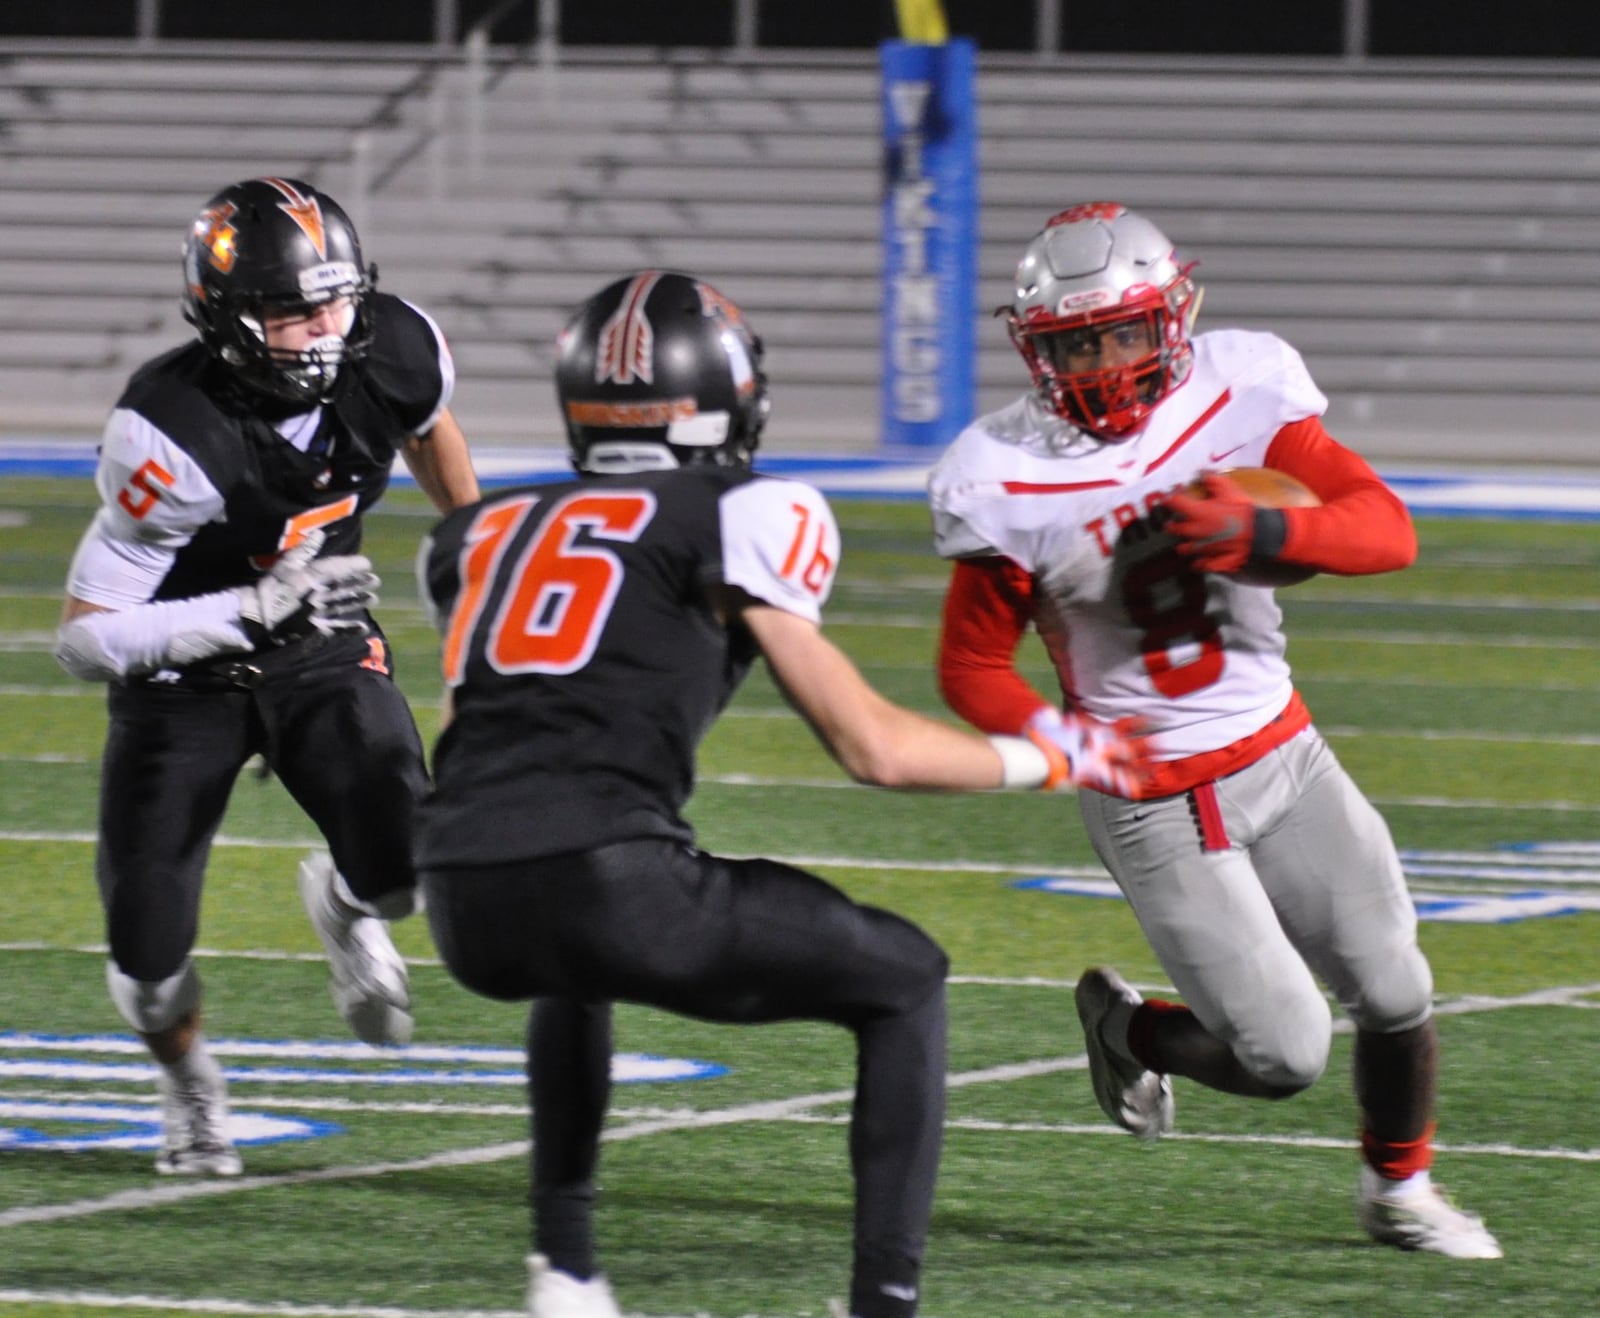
1100,273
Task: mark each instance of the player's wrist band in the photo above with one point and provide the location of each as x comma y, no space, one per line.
1022,764
1267,534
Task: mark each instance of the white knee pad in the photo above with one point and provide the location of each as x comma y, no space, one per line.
1291,1053
153,1007
1396,992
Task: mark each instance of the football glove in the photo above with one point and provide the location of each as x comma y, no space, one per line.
1222,530
1084,752
303,595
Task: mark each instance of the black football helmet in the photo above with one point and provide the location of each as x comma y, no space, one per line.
276,245
659,370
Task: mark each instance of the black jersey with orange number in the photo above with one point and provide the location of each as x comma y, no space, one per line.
584,656
200,490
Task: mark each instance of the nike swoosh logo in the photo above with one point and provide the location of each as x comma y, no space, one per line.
895,1291
1226,453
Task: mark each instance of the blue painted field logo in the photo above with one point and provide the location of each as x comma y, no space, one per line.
53,1127
59,1121
1517,881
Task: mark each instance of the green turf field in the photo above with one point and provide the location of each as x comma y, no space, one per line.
1464,695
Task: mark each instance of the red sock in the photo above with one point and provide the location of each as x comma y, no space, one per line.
1398,1160
1142,1031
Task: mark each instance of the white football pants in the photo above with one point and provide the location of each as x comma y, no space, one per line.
1306,886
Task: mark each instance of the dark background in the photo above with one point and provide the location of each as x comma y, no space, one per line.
1542,29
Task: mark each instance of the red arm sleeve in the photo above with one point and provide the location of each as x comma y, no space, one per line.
1361,528
986,611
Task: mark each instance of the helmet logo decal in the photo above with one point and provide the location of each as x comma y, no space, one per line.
1089,210
631,416
734,339
218,237
712,303
1094,297
739,363
626,350
305,212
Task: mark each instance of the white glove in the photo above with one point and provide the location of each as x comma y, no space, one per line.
304,595
1084,752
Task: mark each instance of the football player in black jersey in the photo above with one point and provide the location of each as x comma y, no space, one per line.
592,631
220,592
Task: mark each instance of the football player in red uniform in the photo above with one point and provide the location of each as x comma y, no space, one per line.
220,593
593,631
1254,864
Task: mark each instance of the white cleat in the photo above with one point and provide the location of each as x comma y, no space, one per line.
1420,1217
556,1294
369,983
1136,1099
194,1131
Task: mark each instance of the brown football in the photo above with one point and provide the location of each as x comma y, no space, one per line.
1269,488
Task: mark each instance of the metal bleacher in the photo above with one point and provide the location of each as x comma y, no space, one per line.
106,153
1428,237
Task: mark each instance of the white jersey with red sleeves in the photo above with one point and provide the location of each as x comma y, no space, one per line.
1133,630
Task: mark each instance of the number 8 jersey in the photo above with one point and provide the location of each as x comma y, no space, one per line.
585,653
1132,630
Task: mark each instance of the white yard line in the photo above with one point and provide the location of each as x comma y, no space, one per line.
800,1107
977,1125
935,585
72,1300
1497,736
639,1123
173,1192
844,785
156,1196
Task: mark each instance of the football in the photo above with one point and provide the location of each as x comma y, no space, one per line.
1269,488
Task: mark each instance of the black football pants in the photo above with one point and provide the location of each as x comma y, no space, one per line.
341,738
744,942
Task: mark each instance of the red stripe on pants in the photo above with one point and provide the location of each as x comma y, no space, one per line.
1213,832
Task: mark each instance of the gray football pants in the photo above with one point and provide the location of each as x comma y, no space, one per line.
1296,879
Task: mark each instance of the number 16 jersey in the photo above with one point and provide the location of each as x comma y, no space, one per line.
585,654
